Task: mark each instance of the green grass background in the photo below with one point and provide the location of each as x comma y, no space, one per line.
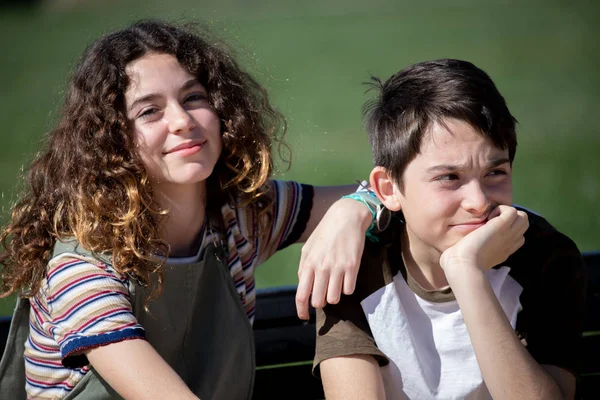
313,57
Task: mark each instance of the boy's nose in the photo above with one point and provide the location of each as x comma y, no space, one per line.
475,199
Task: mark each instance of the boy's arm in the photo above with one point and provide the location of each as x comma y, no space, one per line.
508,368
352,377
136,371
346,356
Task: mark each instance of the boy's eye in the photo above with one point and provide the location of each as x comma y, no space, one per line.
497,172
447,177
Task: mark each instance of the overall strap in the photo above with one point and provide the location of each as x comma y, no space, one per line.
216,229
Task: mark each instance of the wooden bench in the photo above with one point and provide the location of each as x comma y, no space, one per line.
285,344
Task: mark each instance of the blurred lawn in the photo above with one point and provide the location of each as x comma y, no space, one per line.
313,57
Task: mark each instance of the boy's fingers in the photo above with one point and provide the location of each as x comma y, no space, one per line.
517,245
305,284
494,213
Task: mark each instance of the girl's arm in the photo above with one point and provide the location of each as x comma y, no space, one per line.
352,377
324,198
135,370
508,369
335,239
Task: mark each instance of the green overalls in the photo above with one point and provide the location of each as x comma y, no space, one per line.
198,325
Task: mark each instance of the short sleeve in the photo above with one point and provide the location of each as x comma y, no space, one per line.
290,211
555,317
343,330
88,306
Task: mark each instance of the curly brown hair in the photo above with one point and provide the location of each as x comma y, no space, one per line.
89,182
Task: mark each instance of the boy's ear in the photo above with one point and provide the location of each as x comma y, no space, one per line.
385,188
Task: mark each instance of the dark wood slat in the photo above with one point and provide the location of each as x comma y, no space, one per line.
293,382
285,345
276,307
590,357
592,301
588,387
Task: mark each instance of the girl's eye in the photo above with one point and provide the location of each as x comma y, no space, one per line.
148,112
196,97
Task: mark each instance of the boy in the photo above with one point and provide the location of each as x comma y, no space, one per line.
464,296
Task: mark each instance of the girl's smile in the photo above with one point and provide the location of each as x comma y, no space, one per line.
187,148
177,130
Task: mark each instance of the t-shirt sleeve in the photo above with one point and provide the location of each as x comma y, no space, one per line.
343,330
89,306
290,213
555,320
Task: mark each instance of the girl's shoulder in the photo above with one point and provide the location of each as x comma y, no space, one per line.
70,247
71,261
245,220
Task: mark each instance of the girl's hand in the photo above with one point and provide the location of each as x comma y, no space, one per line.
331,256
488,245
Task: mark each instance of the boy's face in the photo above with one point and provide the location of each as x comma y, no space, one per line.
452,185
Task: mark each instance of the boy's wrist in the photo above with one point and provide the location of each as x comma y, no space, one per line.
461,271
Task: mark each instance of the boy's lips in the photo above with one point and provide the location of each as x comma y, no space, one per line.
473,224
477,222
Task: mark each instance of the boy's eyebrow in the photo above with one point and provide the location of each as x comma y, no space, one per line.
449,167
151,96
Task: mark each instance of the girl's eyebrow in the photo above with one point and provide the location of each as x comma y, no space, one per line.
191,83
152,96
143,99
457,167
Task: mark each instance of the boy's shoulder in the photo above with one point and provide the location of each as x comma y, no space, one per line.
544,244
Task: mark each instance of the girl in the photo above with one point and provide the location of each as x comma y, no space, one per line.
144,218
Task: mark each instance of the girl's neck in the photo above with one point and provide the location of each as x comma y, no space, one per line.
423,264
186,210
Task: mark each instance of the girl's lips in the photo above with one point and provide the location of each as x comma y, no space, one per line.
187,148
187,151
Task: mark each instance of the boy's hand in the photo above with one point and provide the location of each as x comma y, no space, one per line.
488,245
331,256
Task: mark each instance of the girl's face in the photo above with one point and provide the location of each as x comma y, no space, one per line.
177,131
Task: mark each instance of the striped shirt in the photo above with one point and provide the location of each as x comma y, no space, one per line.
84,303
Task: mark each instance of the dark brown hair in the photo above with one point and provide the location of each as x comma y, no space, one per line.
428,92
88,181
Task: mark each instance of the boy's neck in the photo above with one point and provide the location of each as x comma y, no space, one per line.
423,265
186,207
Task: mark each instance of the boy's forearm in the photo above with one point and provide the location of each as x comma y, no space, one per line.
507,367
352,377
